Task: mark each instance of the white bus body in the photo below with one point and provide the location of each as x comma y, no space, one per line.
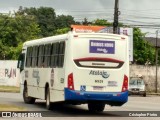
88,68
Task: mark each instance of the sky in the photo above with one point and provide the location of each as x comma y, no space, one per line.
132,12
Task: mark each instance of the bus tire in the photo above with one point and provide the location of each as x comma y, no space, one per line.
27,99
48,103
144,94
96,107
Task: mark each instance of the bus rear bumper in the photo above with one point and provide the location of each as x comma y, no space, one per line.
111,98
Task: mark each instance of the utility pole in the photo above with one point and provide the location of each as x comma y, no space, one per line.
116,13
156,82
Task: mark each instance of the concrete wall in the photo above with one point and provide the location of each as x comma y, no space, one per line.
9,74
149,75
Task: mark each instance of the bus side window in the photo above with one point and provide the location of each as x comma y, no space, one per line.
61,54
34,56
47,55
54,54
20,64
29,57
41,56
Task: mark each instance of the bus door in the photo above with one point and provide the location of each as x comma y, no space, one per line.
20,65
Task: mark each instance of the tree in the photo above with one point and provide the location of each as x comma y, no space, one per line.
62,31
102,22
64,21
15,30
142,51
86,22
45,17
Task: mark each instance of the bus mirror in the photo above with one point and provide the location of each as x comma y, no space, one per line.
20,63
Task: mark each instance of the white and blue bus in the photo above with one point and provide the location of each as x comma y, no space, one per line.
76,68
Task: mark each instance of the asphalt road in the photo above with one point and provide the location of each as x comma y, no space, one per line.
135,103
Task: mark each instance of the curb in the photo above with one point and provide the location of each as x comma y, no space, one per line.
9,91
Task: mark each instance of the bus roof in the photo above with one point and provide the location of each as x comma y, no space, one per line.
63,37
46,40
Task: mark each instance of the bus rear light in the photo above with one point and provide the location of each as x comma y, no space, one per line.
70,82
125,84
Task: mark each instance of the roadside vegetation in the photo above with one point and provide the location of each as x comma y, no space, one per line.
7,107
9,89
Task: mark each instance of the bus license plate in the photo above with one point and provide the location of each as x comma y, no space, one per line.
100,88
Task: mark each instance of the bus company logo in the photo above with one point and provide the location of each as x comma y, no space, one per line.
104,47
35,74
102,50
102,73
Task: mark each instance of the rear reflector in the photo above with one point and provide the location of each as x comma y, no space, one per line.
75,35
125,84
123,38
70,82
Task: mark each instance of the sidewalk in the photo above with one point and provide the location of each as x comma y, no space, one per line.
9,89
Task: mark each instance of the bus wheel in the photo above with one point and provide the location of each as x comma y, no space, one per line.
96,107
144,94
26,98
48,103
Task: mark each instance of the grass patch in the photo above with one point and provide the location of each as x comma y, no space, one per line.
4,107
9,89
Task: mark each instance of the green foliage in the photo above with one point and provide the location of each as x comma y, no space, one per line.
142,52
14,30
47,20
45,17
64,21
62,31
27,24
86,22
102,22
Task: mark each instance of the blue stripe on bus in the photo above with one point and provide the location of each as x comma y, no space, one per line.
102,96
